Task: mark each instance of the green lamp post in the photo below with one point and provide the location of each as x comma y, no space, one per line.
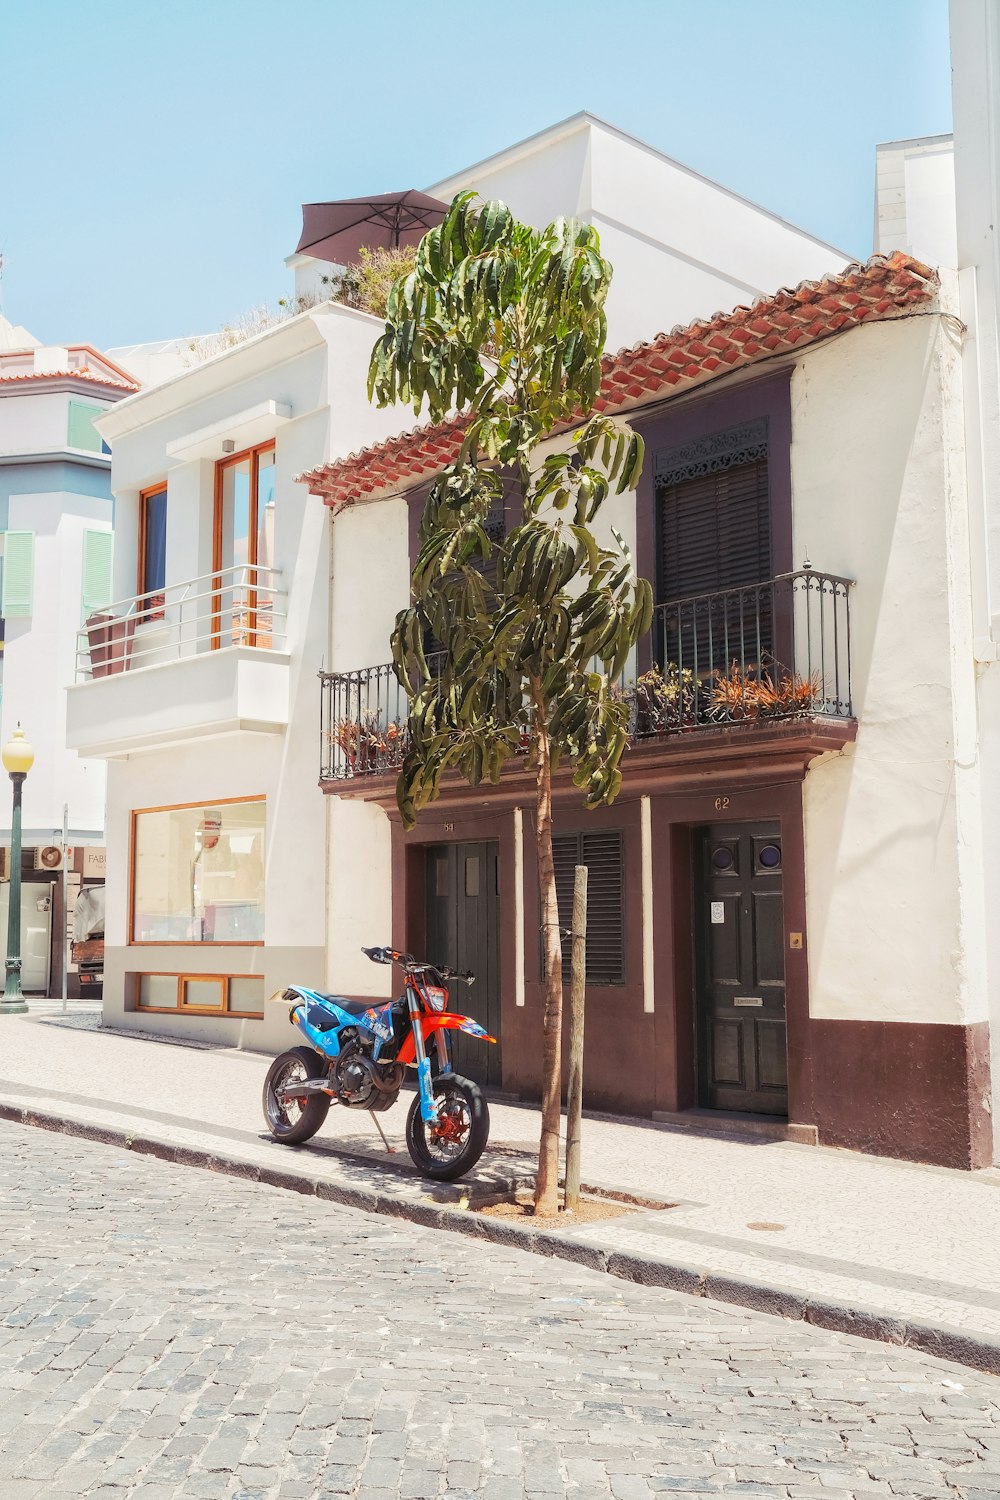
18,759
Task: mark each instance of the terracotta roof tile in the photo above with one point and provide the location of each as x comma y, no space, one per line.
884,287
88,375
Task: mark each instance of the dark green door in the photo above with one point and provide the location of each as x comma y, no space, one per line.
740,968
463,930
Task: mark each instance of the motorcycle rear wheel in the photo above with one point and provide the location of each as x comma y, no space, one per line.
452,1146
293,1121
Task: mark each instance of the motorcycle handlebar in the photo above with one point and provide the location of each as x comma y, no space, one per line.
394,956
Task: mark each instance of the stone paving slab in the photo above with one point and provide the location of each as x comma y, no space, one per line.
922,1269
170,1335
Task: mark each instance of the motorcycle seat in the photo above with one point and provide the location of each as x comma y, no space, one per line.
352,1007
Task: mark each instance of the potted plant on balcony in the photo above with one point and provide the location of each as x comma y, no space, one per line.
746,693
665,700
367,744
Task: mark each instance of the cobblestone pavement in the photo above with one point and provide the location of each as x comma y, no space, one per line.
167,1333
926,1254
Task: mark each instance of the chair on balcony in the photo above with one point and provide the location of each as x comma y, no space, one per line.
110,640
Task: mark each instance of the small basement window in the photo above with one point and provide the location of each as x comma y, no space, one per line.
199,994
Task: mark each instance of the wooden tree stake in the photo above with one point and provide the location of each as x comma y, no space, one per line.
578,989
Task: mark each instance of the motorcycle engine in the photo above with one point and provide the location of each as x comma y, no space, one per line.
363,1083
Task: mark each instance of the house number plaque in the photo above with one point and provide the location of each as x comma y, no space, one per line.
721,803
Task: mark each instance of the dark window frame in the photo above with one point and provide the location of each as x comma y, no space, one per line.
700,416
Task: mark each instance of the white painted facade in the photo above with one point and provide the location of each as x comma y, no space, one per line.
56,493
200,725
681,245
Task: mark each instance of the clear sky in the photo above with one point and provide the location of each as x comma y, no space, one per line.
154,153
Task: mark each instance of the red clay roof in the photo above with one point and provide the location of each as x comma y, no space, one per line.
884,287
104,371
89,375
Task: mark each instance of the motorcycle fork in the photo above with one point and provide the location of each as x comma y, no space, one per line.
428,1104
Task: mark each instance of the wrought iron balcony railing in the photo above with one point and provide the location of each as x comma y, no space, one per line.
766,652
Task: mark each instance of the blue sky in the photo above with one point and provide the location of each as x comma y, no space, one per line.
154,153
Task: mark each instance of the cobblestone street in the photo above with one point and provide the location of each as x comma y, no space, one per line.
169,1333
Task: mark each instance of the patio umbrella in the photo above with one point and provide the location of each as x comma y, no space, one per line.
336,231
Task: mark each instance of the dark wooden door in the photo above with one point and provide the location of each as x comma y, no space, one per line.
463,930
740,968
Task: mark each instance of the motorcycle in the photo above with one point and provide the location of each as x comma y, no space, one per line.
358,1054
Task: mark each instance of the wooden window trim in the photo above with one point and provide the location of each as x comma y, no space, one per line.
153,612
181,942
180,1009
254,455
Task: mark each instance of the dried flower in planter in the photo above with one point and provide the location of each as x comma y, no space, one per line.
743,694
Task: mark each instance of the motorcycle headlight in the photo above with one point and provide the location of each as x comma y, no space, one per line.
437,998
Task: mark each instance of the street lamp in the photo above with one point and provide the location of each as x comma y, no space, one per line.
18,759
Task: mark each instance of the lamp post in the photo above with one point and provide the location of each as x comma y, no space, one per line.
18,759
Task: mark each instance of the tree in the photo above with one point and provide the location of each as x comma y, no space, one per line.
505,325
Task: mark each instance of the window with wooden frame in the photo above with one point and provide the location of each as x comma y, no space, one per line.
197,873
240,995
602,850
151,566
242,613
714,549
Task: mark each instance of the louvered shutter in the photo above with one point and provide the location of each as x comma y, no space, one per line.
82,432
18,574
715,534
97,562
602,851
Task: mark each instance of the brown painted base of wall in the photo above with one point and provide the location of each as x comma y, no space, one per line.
905,1089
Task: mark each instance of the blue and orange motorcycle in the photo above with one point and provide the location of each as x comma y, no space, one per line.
358,1054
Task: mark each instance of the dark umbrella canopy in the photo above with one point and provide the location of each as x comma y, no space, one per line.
336,231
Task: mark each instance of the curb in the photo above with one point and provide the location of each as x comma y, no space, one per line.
939,1340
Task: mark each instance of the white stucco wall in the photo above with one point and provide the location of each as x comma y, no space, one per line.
681,245
321,383
38,663
894,889
975,53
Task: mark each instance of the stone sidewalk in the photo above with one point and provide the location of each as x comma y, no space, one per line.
904,1253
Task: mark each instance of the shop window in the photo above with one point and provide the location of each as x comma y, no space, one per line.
602,851
198,873
222,994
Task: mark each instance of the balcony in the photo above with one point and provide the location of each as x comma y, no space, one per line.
199,658
737,660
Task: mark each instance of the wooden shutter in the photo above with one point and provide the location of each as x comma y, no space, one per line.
97,562
18,574
82,432
715,531
602,851
715,534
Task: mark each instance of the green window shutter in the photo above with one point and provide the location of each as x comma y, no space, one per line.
82,432
18,574
97,558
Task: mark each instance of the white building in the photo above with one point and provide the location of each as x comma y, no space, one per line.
681,245
203,699
231,592
56,517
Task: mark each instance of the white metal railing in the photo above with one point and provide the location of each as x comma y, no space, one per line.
239,606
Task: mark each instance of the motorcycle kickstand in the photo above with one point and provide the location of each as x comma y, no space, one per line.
374,1117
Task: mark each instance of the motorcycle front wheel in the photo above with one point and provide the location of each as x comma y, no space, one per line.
292,1121
450,1146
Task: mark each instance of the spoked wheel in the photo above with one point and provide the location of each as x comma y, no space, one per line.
292,1119
450,1146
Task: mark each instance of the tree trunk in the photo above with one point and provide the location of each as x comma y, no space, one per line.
547,1182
